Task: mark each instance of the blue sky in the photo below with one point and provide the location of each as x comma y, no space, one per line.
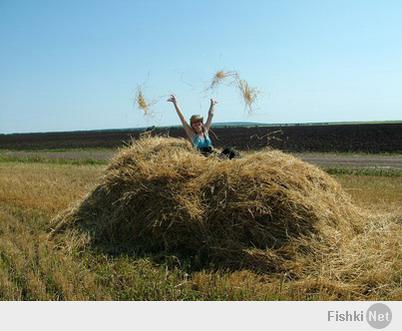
75,65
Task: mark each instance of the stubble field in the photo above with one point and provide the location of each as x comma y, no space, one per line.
34,190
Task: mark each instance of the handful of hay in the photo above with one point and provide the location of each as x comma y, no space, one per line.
249,94
266,211
221,76
142,104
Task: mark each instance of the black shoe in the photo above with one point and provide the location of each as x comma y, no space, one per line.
230,153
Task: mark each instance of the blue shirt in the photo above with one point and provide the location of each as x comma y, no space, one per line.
202,142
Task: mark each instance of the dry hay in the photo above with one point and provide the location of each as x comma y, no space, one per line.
141,102
221,75
248,94
232,78
267,211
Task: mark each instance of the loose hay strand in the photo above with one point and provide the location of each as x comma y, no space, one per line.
221,75
142,103
248,94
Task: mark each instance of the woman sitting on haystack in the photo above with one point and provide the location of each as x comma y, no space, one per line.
197,131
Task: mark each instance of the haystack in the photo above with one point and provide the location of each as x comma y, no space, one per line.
266,211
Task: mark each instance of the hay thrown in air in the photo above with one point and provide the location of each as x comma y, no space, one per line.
141,102
268,211
248,94
220,76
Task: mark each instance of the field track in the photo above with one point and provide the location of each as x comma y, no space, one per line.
320,159
353,160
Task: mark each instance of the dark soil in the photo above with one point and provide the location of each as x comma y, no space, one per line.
365,138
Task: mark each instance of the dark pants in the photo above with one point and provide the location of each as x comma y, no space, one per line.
228,152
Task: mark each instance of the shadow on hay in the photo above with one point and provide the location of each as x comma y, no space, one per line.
160,199
194,245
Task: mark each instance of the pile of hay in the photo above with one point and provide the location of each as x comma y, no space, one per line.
266,211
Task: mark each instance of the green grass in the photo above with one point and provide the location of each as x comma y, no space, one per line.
58,150
388,172
382,172
45,160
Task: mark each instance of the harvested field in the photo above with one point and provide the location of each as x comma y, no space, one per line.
33,193
281,217
102,156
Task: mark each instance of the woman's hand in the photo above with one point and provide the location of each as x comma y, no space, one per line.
172,99
212,106
210,114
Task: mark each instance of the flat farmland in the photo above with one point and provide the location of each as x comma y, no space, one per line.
339,138
103,155
33,268
41,178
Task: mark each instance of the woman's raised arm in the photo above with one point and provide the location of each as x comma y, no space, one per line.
210,114
187,127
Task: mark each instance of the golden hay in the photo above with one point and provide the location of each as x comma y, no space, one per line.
248,94
222,75
141,101
268,211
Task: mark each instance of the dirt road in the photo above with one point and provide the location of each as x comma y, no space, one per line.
352,160
320,159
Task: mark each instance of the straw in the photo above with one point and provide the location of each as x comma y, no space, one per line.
141,102
232,78
266,211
